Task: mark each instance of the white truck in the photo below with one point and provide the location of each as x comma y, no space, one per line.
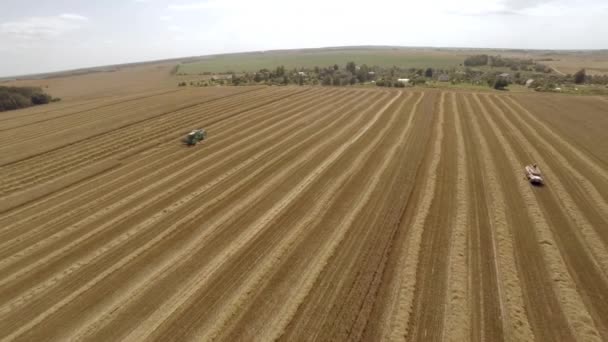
533,174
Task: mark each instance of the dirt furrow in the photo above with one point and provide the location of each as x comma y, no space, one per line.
579,318
484,282
30,115
148,161
428,312
81,141
344,286
586,254
123,139
580,120
511,300
305,227
79,136
114,196
457,316
218,322
570,202
155,238
398,314
129,144
591,188
173,188
558,140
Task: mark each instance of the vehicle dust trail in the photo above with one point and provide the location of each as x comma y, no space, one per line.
585,183
397,316
515,321
599,251
273,327
173,304
578,316
187,218
159,215
457,325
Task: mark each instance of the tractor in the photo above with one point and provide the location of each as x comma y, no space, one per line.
195,137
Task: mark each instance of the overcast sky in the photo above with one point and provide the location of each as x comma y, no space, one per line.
55,35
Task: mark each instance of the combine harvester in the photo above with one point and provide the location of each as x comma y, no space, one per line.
195,137
533,174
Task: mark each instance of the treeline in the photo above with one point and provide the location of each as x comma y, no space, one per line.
21,97
515,64
352,74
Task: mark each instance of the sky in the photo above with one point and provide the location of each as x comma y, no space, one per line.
67,34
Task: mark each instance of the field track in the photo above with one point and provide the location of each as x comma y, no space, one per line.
308,214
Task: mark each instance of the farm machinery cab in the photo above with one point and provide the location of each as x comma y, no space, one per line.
533,174
195,137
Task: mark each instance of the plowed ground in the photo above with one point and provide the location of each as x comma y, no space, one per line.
308,214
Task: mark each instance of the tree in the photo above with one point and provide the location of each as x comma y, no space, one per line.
280,71
579,77
428,73
41,98
476,60
336,67
352,67
500,83
363,73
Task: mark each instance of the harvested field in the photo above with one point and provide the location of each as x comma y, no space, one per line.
308,214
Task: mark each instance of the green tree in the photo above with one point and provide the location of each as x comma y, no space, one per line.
363,73
352,67
476,60
500,83
428,73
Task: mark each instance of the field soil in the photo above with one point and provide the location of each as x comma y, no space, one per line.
307,214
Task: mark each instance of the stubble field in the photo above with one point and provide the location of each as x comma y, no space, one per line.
308,214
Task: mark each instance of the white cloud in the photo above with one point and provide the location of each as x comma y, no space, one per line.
166,18
216,4
174,28
41,28
71,16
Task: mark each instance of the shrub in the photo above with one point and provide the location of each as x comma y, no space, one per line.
500,83
21,97
41,98
579,77
476,60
